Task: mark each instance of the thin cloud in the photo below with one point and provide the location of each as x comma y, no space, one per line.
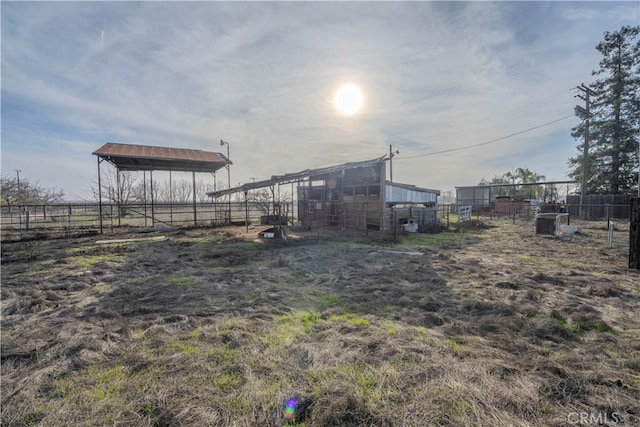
262,76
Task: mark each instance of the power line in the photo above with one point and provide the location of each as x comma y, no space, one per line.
487,142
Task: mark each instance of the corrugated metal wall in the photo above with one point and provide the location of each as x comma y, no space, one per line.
395,194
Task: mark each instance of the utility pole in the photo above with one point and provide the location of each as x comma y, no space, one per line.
391,155
586,113
18,184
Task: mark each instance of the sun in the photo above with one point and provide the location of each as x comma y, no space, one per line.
348,99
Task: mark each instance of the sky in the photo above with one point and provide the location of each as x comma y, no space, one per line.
263,76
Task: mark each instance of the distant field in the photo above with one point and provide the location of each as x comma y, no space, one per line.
488,327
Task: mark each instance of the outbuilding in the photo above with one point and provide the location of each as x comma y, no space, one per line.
354,195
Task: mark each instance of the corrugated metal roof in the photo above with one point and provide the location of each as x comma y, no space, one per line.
292,177
146,157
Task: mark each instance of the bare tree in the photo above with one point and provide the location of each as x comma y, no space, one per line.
122,189
264,198
24,192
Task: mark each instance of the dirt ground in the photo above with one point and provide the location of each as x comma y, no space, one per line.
488,326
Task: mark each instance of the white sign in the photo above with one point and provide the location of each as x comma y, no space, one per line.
464,213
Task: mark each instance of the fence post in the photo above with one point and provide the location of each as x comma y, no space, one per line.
448,212
393,223
366,208
634,233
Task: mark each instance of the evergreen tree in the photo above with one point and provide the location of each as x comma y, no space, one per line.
615,116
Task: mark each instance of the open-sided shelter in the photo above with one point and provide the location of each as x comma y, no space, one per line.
130,157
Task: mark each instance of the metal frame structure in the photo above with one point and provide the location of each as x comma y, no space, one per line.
487,194
354,194
130,157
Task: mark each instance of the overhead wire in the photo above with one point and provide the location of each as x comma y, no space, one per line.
466,147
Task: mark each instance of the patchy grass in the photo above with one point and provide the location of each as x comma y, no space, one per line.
446,238
209,329
220,269
351,319
327,299
184,281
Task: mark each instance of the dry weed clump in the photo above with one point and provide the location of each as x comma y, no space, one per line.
502,329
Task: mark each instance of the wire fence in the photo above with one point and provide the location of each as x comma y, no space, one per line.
20,222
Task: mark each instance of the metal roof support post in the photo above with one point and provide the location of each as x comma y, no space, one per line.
144,195
153,216
215,203
246,211
118,195
99,195
195,214
170,200
383,192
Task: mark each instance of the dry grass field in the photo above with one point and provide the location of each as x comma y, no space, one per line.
484,327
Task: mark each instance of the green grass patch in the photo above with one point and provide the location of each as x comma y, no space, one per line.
91,384
422,333
451,344
434,239
226,381
184,281
222,355
326,299
291,327
391,328
88,261
184,347
581,326
103,287
109,382
351,319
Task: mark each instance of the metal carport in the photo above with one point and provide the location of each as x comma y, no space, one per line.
130,157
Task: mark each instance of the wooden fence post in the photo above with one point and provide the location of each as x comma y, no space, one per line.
634,233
